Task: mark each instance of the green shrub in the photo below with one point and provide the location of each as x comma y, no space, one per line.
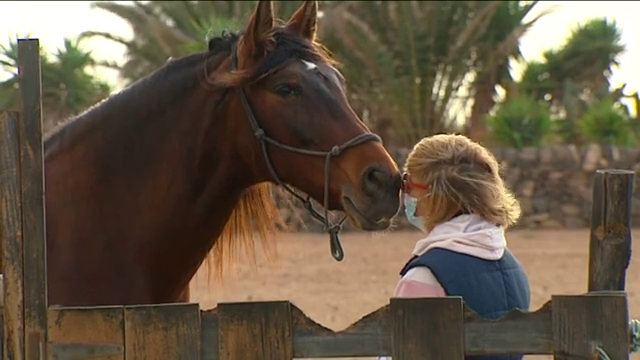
520,122
605,122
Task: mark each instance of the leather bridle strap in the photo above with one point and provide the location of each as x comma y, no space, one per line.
332,228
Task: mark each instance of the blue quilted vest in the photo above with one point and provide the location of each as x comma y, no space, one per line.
489,287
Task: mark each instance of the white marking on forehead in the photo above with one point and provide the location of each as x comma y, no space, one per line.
309,65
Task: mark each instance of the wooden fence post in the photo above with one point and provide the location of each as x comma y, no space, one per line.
255,331
427,328
583,323
33,215
162,332
610,241
11,236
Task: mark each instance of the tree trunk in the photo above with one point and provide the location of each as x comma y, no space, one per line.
483,102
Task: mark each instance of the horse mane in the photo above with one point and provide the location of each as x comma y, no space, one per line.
256,212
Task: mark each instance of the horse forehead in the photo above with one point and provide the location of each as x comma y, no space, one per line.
326,70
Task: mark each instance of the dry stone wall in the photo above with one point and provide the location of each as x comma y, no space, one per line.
553,184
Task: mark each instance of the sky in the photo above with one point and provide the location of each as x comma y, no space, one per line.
51,21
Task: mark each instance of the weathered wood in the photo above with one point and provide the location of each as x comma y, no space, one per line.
83,351
2,335
528,332
581,323
209,334
33,222
610,242
255,331
367,337
162,332
429,328
516,332
11,236
151,331
85,326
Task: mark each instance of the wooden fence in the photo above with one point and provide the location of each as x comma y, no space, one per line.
568,326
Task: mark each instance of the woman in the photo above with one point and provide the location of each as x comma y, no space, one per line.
453,192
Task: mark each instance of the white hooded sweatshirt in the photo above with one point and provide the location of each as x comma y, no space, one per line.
466,234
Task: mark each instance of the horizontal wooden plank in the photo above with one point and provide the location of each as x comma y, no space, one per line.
368,337
527,333
75,332
57,351
517,332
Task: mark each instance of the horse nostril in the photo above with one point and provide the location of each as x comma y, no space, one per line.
376,179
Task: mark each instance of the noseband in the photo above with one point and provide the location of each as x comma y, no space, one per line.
333,229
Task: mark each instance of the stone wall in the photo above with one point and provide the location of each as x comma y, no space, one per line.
554,185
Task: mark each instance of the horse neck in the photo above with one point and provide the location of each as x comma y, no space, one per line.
169,189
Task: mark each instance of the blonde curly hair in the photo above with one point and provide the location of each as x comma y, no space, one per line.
463,177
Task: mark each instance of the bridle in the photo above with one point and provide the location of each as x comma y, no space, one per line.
333,229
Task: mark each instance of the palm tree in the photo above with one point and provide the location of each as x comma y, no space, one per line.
409,61
165,29
497,46
67,86
576,75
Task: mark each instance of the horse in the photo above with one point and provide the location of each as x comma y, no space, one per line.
177,169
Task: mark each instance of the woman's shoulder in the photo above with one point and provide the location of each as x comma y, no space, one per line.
419,282
420,273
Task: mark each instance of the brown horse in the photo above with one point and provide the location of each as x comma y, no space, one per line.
143,186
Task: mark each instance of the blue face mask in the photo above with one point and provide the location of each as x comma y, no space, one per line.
410,204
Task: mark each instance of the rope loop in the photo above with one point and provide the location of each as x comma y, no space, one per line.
634,340
602,355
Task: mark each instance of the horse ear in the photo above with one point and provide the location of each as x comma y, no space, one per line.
305,20
258,32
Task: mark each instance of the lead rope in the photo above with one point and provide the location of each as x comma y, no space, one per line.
333,229
634,340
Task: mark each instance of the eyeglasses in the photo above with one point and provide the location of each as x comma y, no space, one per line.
407,184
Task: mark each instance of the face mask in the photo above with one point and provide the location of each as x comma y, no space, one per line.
410,204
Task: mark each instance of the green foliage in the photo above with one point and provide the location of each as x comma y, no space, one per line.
592,48
607,122
499,44
520,122
536,80
585,60
575,76
164,29
409,60
67,86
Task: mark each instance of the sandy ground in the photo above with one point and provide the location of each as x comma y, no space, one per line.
338,294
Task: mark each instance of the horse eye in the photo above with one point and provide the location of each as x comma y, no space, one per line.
286,90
